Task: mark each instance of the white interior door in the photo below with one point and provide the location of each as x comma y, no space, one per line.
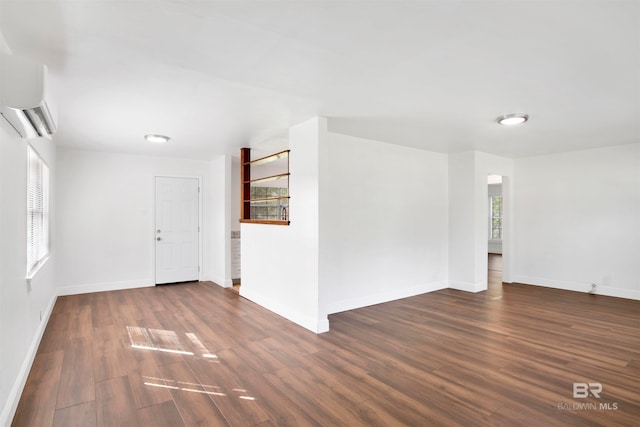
177,229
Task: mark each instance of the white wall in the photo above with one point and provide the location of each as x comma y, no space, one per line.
24,309
495,190
462,207
220,215
235,194
368,225
578,220
234,255
495,246
106,218
280,263
383,222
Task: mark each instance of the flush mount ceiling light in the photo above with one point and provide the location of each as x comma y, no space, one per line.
158,139
512,119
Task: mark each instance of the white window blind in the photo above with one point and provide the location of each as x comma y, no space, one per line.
37,211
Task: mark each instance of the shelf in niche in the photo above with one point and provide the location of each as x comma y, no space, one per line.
268,178
270,206
266,199
265,221
267,159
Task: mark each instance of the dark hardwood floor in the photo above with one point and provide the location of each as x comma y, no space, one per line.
197,354
494,281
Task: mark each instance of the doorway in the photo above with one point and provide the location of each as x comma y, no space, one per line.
495,235
177,229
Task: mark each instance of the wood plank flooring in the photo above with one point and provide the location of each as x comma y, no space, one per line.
199,355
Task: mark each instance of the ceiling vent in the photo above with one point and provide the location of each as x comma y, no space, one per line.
24,105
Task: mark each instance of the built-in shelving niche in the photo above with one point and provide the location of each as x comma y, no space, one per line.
264,191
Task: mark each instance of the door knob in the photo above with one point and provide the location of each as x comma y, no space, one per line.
158,239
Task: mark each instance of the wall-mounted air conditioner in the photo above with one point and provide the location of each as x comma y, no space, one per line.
25,107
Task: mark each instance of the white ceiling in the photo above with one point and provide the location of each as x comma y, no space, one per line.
216,75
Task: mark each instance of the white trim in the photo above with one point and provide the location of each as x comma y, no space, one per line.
200,229
578,287
10,407
309,322
222,283
323,325
467,286
102,287
382,297
36,268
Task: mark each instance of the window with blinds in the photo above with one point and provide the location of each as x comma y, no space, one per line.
37,211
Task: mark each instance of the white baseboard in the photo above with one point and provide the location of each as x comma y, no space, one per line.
309,322
102,287
379,298
323,325
579,287
468,286
223,283
10,407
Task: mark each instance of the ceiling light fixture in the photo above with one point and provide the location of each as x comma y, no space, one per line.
512,119
158,139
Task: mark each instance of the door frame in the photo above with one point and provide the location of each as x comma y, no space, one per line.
153,228
507,229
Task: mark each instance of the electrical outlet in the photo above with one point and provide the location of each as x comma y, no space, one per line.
41,315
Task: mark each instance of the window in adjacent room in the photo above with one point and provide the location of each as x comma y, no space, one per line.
37,211
495,218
